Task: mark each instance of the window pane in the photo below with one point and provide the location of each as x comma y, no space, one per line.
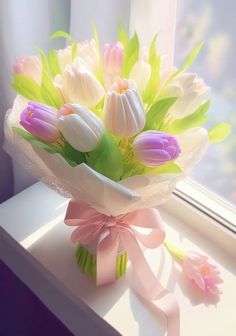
213,21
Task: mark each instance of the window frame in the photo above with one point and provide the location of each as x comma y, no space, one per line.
205,212
207,202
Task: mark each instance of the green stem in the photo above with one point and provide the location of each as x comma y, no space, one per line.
175,251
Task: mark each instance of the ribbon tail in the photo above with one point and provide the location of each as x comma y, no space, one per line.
146,285
107,250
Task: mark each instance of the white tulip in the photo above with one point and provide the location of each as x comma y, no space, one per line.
124,112
82,129
193,144
190,90
88,52
81,86
166,71
64,57
141,73
194,93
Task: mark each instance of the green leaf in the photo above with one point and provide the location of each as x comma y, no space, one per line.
106,158
122,35
71,155
50,94
53,62
131,54
69,38
189,59
33,140
154,60
195,119
219,132
74,47
27,87
153,51
96,37
157,113
63,34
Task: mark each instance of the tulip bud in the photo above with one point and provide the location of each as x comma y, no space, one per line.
113,59
41,121
124,112
153,148
141,73
88,52
81,128
81,86
166,70
192,93
64,57
194,143
29,67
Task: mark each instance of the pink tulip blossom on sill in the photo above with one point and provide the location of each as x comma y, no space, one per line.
203,273
198,269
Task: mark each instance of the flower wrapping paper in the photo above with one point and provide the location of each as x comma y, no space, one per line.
84,183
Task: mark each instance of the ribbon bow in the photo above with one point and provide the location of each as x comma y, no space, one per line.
113,232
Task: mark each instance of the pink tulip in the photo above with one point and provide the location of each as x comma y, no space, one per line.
28,66
205,274
113,59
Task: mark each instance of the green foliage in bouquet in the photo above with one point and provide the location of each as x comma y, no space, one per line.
106,152
62,147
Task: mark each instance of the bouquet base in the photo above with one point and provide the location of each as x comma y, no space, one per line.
88,264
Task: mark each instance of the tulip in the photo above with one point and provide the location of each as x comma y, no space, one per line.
88,52
29,67
141,73
197,268
143,53
113,59
195,93
81,86
81,128
194,143
64,57
192,92
124,112
203,273
153,148
41,121
166,71
58,86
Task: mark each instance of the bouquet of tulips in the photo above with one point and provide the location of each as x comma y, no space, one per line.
113,130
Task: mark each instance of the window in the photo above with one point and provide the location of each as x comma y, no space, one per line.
214,23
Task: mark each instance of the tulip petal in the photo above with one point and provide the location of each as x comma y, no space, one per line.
124,112
83,129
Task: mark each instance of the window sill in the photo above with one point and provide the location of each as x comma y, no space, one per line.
41,254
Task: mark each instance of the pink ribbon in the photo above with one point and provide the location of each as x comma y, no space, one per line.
113,231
